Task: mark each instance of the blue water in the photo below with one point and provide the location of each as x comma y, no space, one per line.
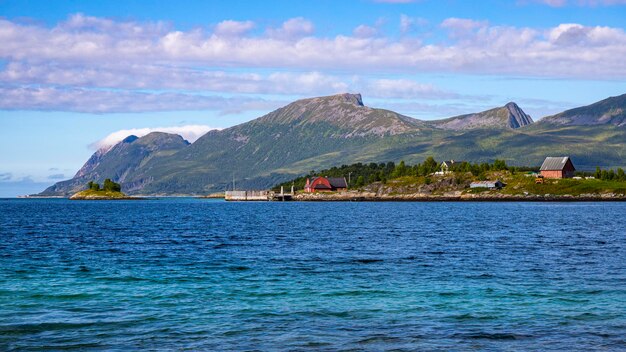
209,275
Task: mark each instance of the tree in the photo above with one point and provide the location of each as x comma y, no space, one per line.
382,177
390,167
430,165
620,174
93,186
611,174
399,170
598,173
111,186
360,182
604,175
499,165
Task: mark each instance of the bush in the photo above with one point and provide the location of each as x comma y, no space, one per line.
111,186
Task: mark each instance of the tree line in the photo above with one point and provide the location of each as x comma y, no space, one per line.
108,185
610,174
360,174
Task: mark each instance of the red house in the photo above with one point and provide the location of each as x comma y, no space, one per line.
325,184
557,167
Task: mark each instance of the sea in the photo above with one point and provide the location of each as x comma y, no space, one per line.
209,275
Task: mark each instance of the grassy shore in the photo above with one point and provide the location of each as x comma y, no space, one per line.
517,185
456,186
90,194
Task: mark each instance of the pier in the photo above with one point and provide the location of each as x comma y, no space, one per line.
259,196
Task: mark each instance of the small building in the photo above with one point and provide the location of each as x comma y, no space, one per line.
325,184
487,184
446,165
557,167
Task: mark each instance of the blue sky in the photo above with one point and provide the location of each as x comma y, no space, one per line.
79,75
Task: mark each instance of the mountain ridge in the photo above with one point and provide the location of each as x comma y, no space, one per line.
507,116
611,110
321,132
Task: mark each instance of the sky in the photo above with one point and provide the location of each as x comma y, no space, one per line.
76,76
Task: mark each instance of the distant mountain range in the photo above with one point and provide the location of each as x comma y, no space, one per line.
322,132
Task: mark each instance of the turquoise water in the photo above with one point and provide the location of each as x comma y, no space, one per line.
210,275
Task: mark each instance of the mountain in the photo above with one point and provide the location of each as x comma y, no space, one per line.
508,116
122,162
98,156
610,111
317,133
305,134
345,114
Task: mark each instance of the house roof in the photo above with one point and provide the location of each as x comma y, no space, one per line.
335,182
554,163
338,182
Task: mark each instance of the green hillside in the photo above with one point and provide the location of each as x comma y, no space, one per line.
321,132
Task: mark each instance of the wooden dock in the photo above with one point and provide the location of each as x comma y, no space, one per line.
259,196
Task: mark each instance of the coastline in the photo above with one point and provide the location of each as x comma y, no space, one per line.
355,197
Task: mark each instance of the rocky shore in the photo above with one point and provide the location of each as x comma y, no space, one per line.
453,196
101,195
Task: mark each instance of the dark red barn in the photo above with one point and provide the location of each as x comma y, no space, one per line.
557,167
325,184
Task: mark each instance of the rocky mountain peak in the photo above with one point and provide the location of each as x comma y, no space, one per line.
333,100
508,116
345,114
355,99
517,117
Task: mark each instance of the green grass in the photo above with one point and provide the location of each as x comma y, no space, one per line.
107,194
518,184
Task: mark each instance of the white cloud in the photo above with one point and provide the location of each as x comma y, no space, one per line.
364,31
462,28
112,101
91,64
576,34
474,47
189,132
230,27
293,28
165,77
408,23
405,89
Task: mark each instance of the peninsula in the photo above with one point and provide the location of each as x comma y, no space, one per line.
458,181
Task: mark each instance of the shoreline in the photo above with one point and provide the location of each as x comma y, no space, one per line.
111,198
466,200
342,197
458,198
